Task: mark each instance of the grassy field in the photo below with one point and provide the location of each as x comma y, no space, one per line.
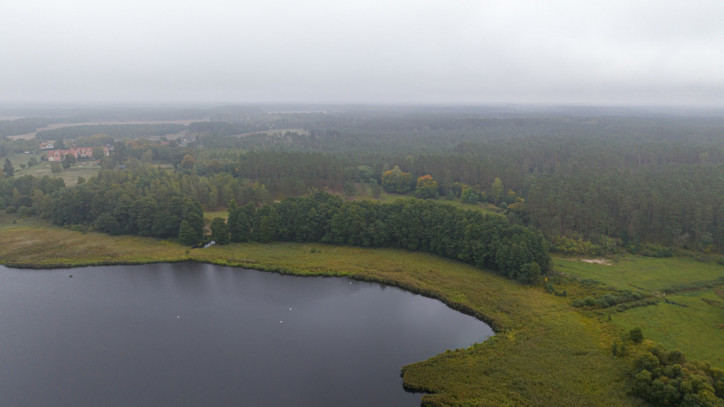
219,213
85,169
545,352
364,191
643,274
28,243
689,318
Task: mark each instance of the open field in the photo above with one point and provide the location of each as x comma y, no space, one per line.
692,322
643,274
364,191
275,132
545,352
30,136
85,169
222,213
690,313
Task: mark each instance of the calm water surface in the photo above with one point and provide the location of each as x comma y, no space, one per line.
202,335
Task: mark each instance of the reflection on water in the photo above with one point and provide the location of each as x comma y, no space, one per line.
196,334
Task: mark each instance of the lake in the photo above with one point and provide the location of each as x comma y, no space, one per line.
200,335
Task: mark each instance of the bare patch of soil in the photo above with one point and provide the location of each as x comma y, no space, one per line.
598,261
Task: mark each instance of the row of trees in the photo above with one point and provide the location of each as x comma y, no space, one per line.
160,203
486,241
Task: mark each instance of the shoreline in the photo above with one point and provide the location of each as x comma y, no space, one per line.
283,271
536,333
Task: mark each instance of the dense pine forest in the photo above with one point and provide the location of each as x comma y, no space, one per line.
587,178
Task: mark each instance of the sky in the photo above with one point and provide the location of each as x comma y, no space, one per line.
570,52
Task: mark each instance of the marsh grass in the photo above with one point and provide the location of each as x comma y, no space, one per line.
30,244
544,353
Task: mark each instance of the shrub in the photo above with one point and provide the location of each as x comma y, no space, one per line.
25,212
636,335
608,301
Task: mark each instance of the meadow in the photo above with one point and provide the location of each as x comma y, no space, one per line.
85,169
689,314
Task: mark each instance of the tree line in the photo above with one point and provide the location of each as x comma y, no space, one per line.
160,203
483,240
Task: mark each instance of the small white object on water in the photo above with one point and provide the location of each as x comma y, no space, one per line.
178,316
280,322
290,308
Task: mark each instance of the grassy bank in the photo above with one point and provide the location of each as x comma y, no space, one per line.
545,353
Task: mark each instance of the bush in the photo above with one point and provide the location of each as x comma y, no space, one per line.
25,212
636,335
607,301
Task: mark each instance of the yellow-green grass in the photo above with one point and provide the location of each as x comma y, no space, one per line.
643,274
545,353
480,207
692,322
27,244
218,213
365,192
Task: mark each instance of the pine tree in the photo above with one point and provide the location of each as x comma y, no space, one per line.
8,168
219,231
187,235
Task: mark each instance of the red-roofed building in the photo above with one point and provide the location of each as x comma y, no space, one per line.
80,153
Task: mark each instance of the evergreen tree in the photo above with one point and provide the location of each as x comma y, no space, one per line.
8,168
187,235
68,160
219,231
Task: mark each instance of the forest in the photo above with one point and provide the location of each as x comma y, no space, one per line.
497,188
637,177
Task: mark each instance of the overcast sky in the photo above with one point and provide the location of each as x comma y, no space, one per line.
389,51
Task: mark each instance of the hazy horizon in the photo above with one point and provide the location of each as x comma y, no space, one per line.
560,53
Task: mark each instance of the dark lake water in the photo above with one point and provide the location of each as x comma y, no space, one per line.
202,335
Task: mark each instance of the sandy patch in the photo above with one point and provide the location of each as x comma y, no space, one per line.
597,261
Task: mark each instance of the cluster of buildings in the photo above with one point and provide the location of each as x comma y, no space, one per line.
78,152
